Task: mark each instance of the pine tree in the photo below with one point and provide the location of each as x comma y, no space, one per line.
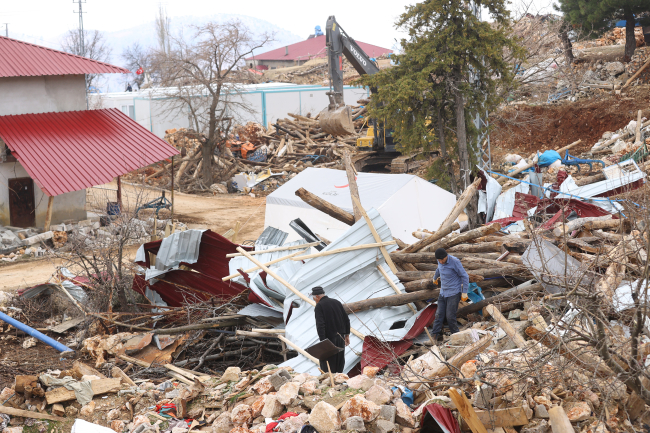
429,97
597,16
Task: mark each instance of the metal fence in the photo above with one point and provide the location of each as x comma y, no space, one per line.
98,198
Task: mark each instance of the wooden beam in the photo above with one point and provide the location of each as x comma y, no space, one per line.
467,236
29,414
117,372
633,77
422,243
508,295
48,214
102,386
287,285
394,287
352,186
273,250
326,207
509,417
466,411
299,350
254,268
507,327
461,203
460,358
391,301
383,250
343,250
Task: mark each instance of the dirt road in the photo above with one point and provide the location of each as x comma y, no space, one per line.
217,213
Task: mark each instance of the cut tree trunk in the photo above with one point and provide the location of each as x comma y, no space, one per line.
630,40
391,301
352,185
507,296
325,207
419,245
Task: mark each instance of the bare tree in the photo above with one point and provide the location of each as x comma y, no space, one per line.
163,30
135,57
206,80
95,47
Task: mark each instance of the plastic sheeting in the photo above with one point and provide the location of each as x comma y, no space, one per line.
487,199
405,202
547,263
505,204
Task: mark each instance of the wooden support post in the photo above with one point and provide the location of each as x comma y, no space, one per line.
288,286
507,327
235,237
352,185
383,250
633,77
466,411
299,350
284,350
172,168
48,214
637,132
461,203
119,193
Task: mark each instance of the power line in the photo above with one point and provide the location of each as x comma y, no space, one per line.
82,50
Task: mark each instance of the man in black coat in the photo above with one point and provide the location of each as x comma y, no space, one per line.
333,323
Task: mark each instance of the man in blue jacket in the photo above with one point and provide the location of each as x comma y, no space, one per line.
453,281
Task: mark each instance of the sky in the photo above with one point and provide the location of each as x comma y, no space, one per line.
371,22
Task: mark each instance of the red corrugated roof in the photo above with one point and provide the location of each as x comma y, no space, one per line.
22,59
74,150
311,48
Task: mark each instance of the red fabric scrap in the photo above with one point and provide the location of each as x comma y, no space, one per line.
288,415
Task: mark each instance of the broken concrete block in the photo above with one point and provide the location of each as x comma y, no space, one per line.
272,407
578,411
38,238
277,380
309,387
231,374
404,417
383,426
360,382
514,314
370,371
355,423
264,386
483,396
468,369
288,393
464,338
222,424
540,426
359,406
325,418
387,413
241,415
58,228
378,395
257,407
541,412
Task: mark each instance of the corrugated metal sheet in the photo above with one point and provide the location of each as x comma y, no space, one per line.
74,150
272,236
348,277
177,248
22,59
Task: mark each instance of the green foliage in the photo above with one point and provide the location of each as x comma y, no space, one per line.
446,44
594,17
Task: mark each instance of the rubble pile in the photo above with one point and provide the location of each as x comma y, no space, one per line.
616,36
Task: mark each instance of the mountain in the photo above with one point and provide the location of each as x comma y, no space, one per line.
145,35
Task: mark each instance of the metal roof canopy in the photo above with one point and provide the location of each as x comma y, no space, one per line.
22,59
73,150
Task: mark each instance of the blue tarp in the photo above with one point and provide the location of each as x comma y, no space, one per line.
548,157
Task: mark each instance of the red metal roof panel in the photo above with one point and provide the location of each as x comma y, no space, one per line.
313,48
74,150
22,59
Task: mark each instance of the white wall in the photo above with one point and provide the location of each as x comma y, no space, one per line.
65,206
23,95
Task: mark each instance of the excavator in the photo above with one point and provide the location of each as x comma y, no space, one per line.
336,118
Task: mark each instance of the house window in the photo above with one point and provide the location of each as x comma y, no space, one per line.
129,110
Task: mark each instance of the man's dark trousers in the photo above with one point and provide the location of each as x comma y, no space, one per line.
447,307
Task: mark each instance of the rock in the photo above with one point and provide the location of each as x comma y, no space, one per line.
463,338
370,371
6,394
71,412
340,378
515,314
383,426
309,387
614,68
483,396
87,410
140,419
325,418
404,416
257,406
355,423
287,393
238,429
387,413
360,382
243,383
541,412
272,407
18,429
113,414
468,369
540,399
278,379
242,415
222,424
540,426
231,374
118,426
578,411
293,424
378,395
359,406
302,378
264,386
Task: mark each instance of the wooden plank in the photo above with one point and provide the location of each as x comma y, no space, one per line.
343,250
68,324
466,411
117,372
272,250
28,414
509,417
299,350
102,386
507,327
272,262
48,213
560,422
393,286
324,206
86,370
383,250
352,186
460,358
439,234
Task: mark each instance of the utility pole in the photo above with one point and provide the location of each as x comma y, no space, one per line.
6,29
82,50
